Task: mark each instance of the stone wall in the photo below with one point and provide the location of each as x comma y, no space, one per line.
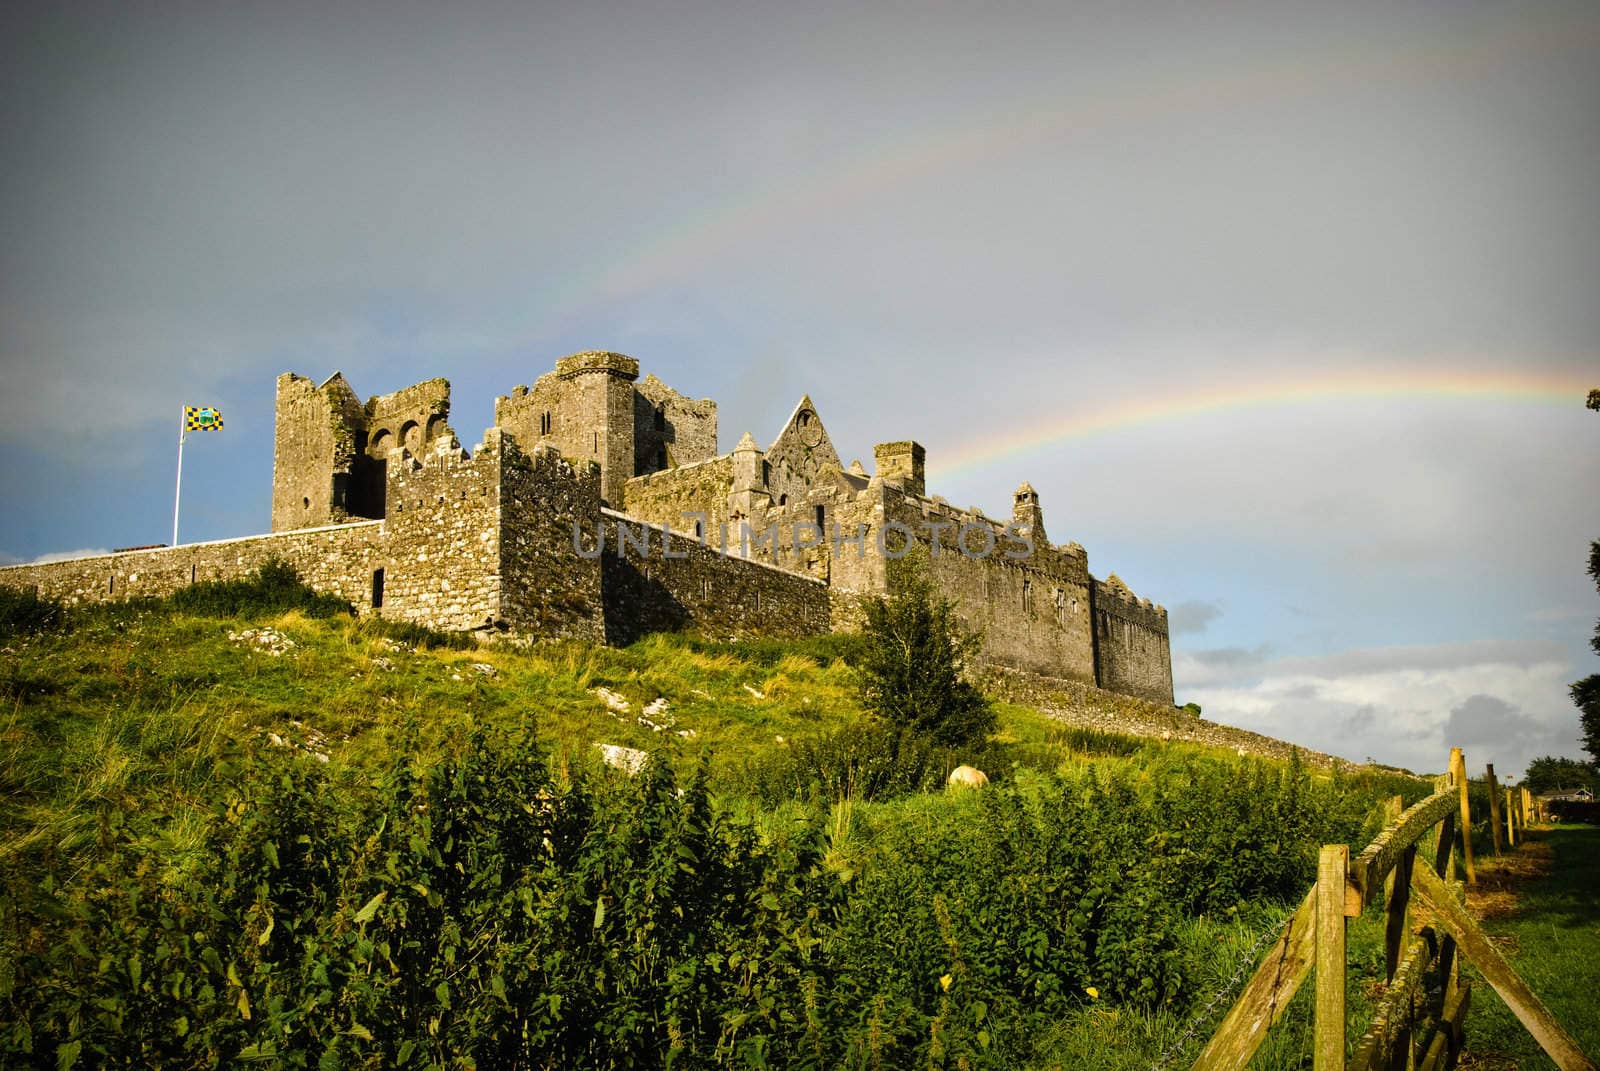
665,497
337,559
1132,647
550,518
1033,611
670,429
442,538
676,584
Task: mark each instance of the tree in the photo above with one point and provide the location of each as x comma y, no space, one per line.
1552,774
1586,693
914,651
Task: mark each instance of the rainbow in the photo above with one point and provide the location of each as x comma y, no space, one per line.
1564,389
697,239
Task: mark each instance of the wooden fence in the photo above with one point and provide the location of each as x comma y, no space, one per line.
1418,1023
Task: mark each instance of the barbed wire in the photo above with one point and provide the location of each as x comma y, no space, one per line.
1247,965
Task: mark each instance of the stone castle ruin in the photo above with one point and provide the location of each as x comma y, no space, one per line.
598,507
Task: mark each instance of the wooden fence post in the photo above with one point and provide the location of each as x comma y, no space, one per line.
1444,865
1329,1021
1494,809
1524,1004
1458,772
1511,819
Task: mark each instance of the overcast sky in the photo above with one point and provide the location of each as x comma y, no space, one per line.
1287,310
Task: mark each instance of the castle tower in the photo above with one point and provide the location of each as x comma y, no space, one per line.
903,464
320,431
601,386
1026,514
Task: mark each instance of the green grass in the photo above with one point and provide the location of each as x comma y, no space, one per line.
143,709
1552,939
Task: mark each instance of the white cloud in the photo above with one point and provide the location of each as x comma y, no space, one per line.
68,555
1502,702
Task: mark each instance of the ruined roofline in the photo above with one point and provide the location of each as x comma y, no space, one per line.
976,515
607,511
197,543
1118,588
805,402
651,378
685,467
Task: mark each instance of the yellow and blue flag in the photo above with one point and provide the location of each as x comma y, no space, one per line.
201,418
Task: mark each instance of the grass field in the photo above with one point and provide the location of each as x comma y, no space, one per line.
1541,905
153,713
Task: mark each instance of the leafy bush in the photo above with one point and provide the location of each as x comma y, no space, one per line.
274,587
24,613
912,652
485,909
868,759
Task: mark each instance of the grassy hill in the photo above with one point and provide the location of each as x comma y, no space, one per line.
233,833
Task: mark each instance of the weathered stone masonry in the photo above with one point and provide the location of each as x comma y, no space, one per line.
377,502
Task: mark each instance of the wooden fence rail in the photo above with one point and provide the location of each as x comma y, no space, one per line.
1419,1020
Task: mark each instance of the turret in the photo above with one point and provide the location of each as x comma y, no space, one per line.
749,498
903,464
1026,514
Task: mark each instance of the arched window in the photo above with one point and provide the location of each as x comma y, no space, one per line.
411,436
661,419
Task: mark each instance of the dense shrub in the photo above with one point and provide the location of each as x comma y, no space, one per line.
913,648
867,759
24,613
274,587
486,910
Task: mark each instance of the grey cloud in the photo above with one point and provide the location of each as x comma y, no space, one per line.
1192,616
1230,657
1506,735
1358,722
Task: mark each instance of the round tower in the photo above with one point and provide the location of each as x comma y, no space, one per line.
602,385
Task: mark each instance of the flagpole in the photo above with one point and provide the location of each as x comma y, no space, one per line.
178,494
